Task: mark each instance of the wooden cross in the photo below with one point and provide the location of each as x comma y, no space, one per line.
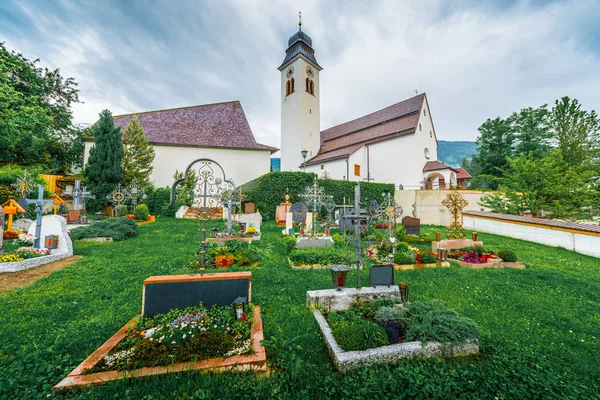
39,205
455,203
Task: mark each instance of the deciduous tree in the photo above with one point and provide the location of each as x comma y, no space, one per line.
494,147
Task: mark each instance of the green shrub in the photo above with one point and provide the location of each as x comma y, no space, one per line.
115,228
359,335
385,314
426,238
246,257
400,233
157,199
427,258
289,241
402,247
141,212
507,255
321,256
267,190
479,249
432,321
405,257
338,240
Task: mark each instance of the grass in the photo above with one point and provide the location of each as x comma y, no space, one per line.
538,325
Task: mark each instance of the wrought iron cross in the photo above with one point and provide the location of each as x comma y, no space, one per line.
389,211
455,203
23,185
39,207
117,197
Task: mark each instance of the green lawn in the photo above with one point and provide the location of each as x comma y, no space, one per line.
539,326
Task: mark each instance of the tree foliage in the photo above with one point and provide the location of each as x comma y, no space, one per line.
537,184
103,169
532,131
576,131
138,155
35,115
494,147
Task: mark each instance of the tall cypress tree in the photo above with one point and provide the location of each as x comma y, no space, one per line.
138,155
103,169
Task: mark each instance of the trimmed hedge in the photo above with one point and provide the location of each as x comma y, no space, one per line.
267,191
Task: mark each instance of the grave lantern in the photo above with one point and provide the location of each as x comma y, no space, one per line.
242,227
442,254
239,305
99,215
213,232
404,286
338,275
51,241
474,236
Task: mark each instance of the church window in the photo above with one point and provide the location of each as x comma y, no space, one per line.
420,127
427,153
310,111
307,84
430,134
312,87
292,85
356,170
289,87
322,166
425,112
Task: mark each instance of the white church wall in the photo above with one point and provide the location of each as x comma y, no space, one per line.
336,169
240,165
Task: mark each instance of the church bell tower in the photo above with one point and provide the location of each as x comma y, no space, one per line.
300,116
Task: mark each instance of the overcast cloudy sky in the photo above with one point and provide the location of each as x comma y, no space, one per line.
474,59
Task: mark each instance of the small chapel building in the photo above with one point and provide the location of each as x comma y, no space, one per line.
182,135
397,144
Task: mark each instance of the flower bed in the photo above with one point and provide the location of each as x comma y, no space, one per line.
95,371
380,332
320,257
478,257
233,253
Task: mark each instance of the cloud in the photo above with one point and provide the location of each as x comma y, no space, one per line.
474,60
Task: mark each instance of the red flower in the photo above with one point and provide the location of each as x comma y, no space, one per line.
244,317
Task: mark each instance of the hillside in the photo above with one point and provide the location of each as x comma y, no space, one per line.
451,153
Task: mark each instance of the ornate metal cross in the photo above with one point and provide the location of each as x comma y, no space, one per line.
389,211
39,206
455,203
117,197
314,196
23,185
135,192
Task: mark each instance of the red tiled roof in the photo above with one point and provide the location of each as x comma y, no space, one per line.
462,174
396,120
209,125
435,166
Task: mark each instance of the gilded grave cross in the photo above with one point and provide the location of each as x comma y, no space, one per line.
455,203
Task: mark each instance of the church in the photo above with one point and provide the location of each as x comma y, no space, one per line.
397,144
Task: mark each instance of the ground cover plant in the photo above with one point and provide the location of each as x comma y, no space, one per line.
240,254
115,228
539,326
190,334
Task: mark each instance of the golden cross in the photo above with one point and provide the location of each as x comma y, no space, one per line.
455,203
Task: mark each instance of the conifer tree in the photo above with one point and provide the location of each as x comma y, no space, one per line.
103,169
138,155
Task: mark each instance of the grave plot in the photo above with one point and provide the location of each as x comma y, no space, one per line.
47,239
469,253
188,323
378,324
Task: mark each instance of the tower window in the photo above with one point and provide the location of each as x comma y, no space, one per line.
425,112
312,87
420,127
289,87
307,84
356,170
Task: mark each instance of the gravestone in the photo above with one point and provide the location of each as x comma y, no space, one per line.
249,208
412,225
254,219
299,211
22,224
54,225
289,222
381,275
163,293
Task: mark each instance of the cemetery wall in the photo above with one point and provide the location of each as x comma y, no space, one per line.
576,237
427,204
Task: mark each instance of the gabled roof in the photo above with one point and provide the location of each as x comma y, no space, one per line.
436,166
209,125
462,174
394,121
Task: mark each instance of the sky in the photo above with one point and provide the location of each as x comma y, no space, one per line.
474,59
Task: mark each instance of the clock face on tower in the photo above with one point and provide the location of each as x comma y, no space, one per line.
310,72
290,72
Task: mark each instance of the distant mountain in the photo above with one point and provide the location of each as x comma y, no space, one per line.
451,153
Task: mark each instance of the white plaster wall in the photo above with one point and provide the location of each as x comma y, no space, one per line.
427,204
300,117
336,169
239,165
580,243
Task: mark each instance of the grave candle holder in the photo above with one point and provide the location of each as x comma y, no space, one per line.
442,254
474,236
404,290
239,306
438,236
242,227
338,276
51,241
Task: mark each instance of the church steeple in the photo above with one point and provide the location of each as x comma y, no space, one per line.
300,116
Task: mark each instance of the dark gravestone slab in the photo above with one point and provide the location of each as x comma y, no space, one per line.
412,225
381,275
163,293
299,211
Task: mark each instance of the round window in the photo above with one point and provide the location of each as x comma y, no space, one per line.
427,156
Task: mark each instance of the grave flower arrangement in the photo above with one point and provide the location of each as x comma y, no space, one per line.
10,235
406,254
371,324
29,252
234,253
187,335
26,239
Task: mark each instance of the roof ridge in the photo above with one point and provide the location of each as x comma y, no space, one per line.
375,112
178,108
